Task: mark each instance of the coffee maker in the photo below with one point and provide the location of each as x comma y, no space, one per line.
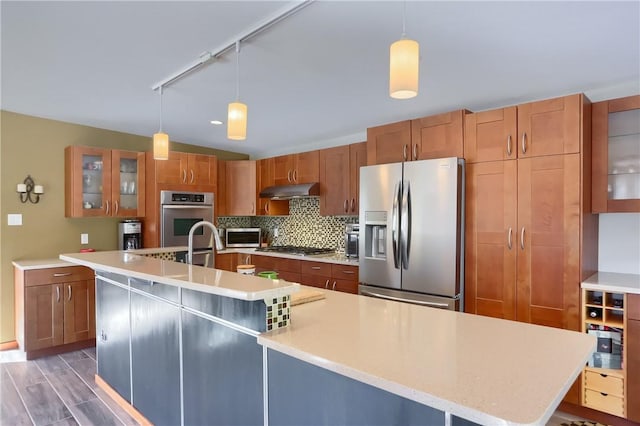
129,235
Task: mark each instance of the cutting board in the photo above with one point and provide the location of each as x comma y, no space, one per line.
306,295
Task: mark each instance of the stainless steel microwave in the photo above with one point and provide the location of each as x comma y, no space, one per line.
243,237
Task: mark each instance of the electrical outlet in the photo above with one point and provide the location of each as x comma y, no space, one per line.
275,232
14,219
84,238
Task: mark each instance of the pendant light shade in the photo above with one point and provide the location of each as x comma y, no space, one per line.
160,139
160,146
404,56
237,121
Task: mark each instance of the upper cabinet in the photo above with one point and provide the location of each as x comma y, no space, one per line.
239,188
435,136
296,168
616,155
534,129
186,169
103,182
264,175
340,179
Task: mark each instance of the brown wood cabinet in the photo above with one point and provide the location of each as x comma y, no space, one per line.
340,179
531,238
435,136
264,174
548,127
240,188
616,170
632,339
185,169
287,269
55,309
103,182
230,261
330,276
302,167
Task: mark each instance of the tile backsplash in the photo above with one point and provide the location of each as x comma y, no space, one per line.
303,227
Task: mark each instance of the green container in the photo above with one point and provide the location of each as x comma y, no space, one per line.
268,274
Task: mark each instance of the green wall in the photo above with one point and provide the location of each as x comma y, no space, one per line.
35,146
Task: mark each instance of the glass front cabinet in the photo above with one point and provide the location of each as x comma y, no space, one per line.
616,155
104,182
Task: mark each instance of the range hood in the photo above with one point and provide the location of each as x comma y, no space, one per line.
286,192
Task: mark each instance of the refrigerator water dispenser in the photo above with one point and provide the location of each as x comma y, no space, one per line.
375,234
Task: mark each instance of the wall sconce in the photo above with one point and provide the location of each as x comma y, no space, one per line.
26,188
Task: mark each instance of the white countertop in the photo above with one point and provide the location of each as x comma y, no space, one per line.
614,282
339,258
26,265
486,370
207,280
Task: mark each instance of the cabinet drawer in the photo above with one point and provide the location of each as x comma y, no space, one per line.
315,280
608,384
63,274
344,272
315,268
278,264
603,402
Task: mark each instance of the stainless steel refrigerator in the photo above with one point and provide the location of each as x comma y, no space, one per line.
412,235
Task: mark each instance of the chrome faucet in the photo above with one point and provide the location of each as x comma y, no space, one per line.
216,237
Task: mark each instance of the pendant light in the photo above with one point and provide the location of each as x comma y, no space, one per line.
160,139
404,56
237,112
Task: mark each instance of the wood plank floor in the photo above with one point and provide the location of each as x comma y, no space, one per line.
58,390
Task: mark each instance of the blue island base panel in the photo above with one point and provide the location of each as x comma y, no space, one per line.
304,394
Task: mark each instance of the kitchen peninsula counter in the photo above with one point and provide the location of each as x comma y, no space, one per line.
338,258
346,359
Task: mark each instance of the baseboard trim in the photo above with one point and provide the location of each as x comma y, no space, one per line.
8,346
123,403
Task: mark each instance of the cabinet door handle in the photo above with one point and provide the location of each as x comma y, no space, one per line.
509,146
333,287
348,272
116,208
103,336
192,176
69,288
326,285
509,239
60,274
524,142
247,261
184,175
404,152
266,207
107,207
253,207
415,151
345,206
57,293
353,205
522,238
289,176
315,267
295,175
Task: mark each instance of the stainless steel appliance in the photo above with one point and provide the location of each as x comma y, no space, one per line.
412,247
243,237
129,234
351,239
179,211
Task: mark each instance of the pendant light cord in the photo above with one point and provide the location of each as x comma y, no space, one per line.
237,70
404,18
160,109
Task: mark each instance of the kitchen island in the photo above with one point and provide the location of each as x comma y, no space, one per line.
346,359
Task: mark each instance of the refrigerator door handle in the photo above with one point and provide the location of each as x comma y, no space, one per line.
400,299
405,224
394,225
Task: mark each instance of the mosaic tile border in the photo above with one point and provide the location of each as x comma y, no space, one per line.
162,256
278,312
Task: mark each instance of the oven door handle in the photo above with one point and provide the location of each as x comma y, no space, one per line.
180,206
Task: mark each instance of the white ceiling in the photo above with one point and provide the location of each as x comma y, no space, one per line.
318,78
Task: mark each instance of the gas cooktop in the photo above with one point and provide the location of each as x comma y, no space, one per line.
301,251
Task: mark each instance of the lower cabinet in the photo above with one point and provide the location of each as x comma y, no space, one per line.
287,269
112,343
54,307
155,358
331,276
633,357
222,374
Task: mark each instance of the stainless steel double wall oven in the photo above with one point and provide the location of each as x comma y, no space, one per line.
179,211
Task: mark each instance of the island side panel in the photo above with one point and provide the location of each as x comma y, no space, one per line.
222,374
304,394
